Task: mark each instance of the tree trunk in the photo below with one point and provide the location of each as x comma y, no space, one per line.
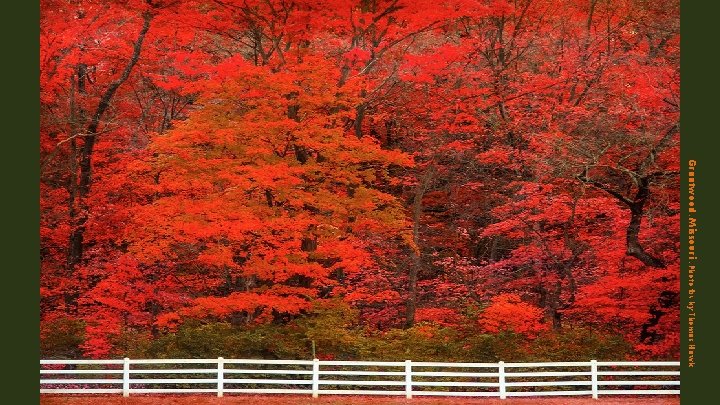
75,245
634,248
414,268
643,177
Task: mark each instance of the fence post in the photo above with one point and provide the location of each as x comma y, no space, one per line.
316,378
501,379
594,374
220,376
408,379
126,377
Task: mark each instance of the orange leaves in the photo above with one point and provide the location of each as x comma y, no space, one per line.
251,303
277,176
168,321
507,312
265,154
263,191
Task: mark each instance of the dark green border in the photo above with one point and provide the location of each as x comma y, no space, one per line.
21,195
700,130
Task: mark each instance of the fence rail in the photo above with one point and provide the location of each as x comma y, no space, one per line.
315,377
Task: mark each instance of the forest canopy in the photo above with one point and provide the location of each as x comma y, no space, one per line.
249,177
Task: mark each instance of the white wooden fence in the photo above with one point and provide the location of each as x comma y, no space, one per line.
315,377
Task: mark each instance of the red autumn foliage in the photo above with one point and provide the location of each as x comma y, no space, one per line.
240,161
507,313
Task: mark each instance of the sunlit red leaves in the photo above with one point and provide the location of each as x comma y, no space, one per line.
248,167
507,312
233,185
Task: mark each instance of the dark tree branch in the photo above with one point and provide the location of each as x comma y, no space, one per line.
637,205
585,179
85,177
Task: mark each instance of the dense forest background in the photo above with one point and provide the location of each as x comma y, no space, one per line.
387,179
